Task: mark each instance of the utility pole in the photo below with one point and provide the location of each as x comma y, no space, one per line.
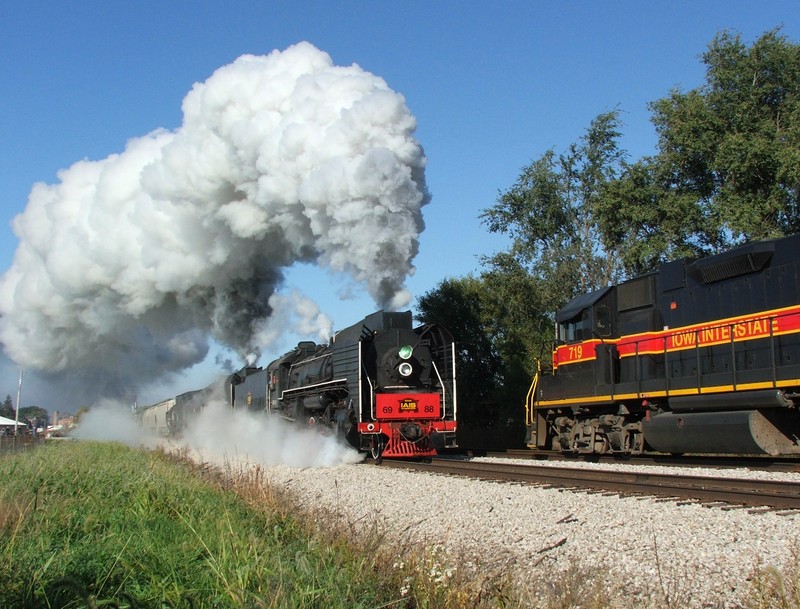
16,411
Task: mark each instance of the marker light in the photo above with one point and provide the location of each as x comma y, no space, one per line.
405,351
405,369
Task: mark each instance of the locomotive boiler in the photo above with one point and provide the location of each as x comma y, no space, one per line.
383,385
701,356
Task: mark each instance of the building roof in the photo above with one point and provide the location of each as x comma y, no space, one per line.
5,421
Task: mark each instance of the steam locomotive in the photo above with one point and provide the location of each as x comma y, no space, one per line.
384,386
701,356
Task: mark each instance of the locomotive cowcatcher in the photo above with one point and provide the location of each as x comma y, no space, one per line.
702,356
384,386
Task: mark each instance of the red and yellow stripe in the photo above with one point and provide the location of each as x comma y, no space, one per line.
765,324
776,322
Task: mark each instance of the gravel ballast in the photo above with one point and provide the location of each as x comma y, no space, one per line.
645,551
641,551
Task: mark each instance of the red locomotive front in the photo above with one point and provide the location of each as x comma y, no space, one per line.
407,386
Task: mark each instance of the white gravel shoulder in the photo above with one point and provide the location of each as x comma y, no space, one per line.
649,552
645,552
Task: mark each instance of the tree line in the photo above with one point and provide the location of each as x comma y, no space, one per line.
726,171
29,415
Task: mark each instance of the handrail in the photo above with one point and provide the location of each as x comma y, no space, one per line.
455,388
530,396
700,336
444,389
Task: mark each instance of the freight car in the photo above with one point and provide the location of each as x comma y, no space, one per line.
384,386
171,416
154,418
701,356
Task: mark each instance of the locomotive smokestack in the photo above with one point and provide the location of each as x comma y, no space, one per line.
129,264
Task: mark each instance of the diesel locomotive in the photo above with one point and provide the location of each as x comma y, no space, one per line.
701,356
384,386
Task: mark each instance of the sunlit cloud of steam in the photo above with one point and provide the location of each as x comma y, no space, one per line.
221,434
108,421
129,265
294,312
265,439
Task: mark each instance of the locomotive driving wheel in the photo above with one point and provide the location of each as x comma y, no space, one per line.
376,448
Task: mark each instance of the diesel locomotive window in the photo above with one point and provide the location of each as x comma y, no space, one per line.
576,329
602,321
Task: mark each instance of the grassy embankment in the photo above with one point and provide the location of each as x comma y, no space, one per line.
101,522
85,524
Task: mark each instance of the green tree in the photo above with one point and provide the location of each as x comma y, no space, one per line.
727,168
459,305
494,361
504,318
550,215
36,416
80,414
7,408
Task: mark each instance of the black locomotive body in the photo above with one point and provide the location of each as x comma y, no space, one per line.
385,386
702,356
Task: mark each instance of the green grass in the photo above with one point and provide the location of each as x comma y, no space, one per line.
112,521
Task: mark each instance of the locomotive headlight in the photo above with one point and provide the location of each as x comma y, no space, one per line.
405,352
405,369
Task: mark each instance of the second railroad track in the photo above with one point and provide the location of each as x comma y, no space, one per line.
680,486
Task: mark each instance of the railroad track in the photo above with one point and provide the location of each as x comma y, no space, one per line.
678,486
765,463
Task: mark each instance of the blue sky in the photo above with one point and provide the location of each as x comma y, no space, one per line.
492,86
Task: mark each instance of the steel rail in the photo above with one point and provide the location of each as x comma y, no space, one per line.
765,463
736,491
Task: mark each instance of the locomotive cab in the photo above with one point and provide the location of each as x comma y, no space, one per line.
583,354
585,317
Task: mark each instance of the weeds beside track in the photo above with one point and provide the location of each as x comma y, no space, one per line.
91,525
83,521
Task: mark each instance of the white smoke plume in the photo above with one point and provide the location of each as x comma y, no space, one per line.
220,433
109,421
128,265
296,313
